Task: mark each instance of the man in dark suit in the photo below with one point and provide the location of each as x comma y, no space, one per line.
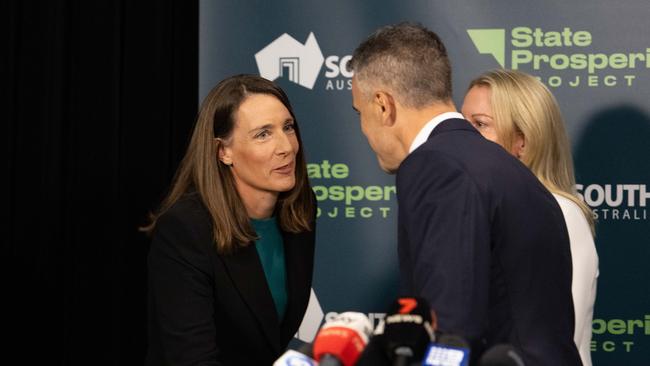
479,236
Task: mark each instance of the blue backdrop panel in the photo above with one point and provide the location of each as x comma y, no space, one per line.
594,56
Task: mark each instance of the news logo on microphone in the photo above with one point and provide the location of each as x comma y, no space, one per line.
341,340
408,330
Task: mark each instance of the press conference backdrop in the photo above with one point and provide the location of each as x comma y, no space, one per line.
594,56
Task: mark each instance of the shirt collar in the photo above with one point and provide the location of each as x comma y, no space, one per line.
424,133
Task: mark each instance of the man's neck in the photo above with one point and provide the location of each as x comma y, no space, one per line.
415,119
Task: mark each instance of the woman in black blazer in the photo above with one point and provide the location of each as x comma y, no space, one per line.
230,264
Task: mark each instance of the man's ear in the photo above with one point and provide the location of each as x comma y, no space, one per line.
386,107
224,151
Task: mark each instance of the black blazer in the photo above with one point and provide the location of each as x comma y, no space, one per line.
486,244
211,309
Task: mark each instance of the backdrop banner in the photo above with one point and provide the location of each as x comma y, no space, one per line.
595,58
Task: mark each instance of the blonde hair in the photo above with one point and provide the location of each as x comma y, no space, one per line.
523,106
201,171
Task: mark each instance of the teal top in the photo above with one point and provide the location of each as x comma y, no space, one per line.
270,249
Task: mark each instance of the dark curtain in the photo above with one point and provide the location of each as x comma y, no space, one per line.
99,98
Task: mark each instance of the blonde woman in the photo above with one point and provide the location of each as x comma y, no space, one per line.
230,264
518,112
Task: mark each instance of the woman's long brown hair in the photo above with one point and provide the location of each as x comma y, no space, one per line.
201,171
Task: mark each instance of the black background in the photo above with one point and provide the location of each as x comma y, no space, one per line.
99,98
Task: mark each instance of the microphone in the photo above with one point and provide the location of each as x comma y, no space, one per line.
294,358
449,350
407,330
501,355
374,354
341,340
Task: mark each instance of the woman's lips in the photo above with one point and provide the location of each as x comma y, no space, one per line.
285,169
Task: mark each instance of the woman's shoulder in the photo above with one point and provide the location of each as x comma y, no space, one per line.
571,211
187,206
183,232
187,213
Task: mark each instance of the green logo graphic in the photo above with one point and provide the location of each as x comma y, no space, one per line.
492,41
336,198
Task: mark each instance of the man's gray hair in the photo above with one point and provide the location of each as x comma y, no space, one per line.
408,59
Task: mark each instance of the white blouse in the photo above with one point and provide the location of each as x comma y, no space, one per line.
585,274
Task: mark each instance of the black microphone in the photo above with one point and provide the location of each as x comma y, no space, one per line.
374,354
502,355
407,330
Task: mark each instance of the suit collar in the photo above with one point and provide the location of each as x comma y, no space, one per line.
247,275
298,256
453,124
425,131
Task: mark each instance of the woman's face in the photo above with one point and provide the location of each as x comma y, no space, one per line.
263,146
477,109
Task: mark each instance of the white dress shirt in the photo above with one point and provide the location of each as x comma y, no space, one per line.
424,133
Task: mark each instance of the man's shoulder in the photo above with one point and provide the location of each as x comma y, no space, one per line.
465,151
428,160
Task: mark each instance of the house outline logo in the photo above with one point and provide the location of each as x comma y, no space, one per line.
286,57
490,41
312,320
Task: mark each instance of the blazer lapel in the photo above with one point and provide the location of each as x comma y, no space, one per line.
247,275
299,261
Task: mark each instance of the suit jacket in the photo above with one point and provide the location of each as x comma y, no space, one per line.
486,244
212,309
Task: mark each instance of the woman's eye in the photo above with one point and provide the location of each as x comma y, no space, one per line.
289,127
262,134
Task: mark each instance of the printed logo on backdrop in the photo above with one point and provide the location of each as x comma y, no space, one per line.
611,335
616,201
300,63
573,56
314,317
286,57
312,320
337,198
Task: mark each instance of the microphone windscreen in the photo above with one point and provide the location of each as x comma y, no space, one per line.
407,328
375,353
343,337
501,355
